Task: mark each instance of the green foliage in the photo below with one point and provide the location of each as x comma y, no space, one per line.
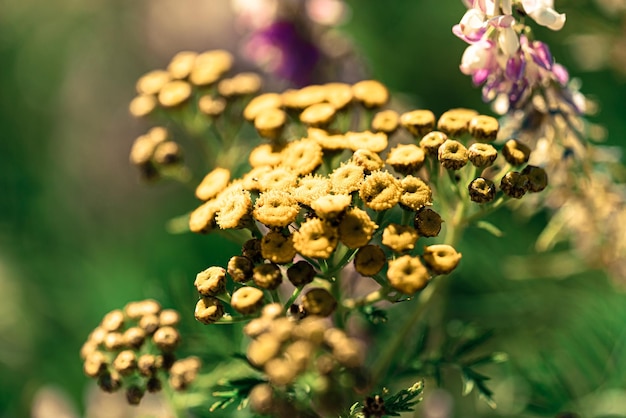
394,404
234,392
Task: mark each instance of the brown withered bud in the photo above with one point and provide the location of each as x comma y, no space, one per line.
319,302
514,184
153,384
240,268
427,222
134,394
301,273
369,260
537,178
252,250
109,382
481,190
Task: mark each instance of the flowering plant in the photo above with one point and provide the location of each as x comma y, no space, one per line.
348,210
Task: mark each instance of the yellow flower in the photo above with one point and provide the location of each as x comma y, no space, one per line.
270,122
319,114
326,141
356,228
399,238
415,193
418,122
276,208
431,142
265,154
441,258
302,156
142,105
482,155
371,93
304,97
261,103
279,178
181,64
484,127
380,191
209,67
202,219
386,121
375,142
338,94
407,274
247,300
267,276
235,207
211,281
369,160
329,207
369,260
310,187
278,248
211,106
250,180
240,85
406,159
347,178
209,310
315,238
174,93
455,122
213,183
453,155
152,82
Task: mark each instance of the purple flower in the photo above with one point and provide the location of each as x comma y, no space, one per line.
284,51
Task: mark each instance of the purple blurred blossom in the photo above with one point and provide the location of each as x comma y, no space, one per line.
282,49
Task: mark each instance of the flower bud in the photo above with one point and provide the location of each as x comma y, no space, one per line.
514,184
407,274
211,281
427,222
319,302
441,258
301,273
125,362
481,190
369,260
418,122
431,142
166,338
241,268
482,155
208,310
247,300
267,276
484,128
537,178
452,155
515,152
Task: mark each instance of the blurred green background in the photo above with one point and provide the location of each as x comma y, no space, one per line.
80,235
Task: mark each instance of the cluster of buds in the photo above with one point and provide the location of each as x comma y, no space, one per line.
315,204
195,94
134,348
309,351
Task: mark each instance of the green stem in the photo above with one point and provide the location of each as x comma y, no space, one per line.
292,298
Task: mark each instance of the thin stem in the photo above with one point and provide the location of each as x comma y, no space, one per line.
292,298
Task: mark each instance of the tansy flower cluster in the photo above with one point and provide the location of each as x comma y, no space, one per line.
194,96
133,348
308,351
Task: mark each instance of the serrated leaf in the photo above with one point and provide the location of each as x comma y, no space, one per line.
491,228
